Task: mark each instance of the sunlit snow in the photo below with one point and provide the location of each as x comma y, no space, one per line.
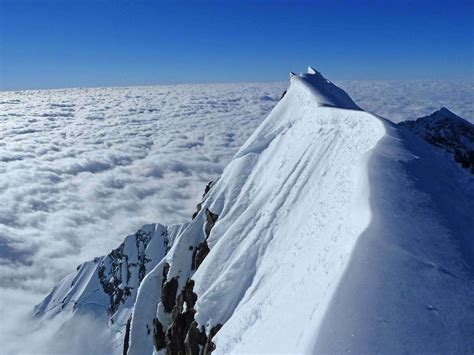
82,168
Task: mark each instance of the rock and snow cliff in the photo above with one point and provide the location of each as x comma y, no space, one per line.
448,131
331,230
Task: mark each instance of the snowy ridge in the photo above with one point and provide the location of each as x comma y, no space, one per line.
107,286
331,230
321,91
409,284
267,238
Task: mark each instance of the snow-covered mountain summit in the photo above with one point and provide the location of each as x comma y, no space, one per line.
321,91
331,230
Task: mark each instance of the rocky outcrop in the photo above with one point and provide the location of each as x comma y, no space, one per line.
211,219
127,336
209,346
159,336
446,130
168,294
182,334
201,251
115,271
199,205
106,287
182,316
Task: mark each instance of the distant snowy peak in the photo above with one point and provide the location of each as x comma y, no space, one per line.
107,285
446,130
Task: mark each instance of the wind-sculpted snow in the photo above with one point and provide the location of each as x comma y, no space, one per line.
409,285
323,204
80,168
288,208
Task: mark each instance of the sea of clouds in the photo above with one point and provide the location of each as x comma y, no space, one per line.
82,168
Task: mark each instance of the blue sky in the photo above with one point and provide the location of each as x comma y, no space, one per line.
54,43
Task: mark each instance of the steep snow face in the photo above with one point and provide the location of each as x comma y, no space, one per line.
448,131
292,204
409,285
336,232
290,207
331,230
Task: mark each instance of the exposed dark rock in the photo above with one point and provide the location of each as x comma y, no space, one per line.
111,275
166,268
209,347
202,249
200,254
183,335
211,219
181,318
126,340
141,237
207,188
159,339
168,294
187,295
198,209
176,334
193,339
449,132
283,95
199,205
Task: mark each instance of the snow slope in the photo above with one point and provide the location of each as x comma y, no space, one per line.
331,230
409,284
331,238
81,168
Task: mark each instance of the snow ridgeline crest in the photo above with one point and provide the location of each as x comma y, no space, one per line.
164,313
192,299
322,91
276,243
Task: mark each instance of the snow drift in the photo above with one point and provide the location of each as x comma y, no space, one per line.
331,230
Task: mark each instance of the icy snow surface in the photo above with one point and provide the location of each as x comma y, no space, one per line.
338,231
81,168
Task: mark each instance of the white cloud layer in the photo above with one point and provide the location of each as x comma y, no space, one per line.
82,168
401,100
